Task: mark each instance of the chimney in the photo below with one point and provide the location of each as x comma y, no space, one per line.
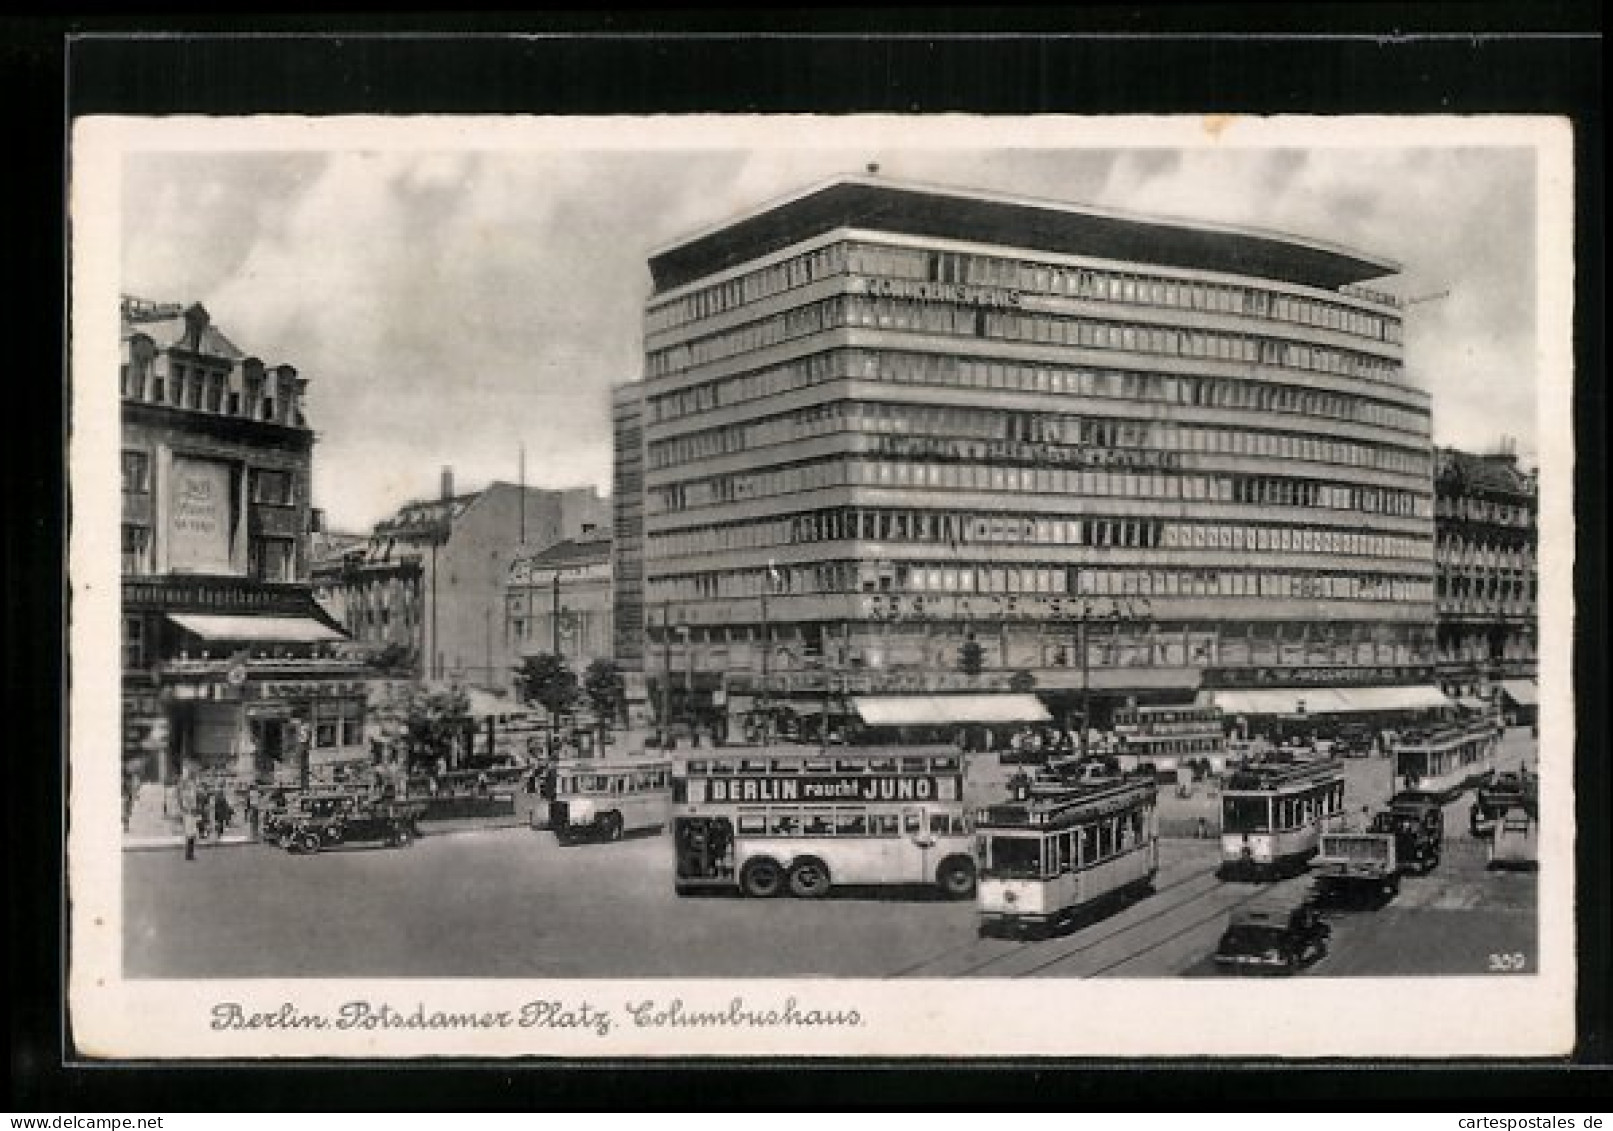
447,483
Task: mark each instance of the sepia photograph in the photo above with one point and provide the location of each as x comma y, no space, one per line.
888,585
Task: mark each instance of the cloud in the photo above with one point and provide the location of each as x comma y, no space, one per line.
449,308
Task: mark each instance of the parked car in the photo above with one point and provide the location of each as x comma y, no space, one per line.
1278,937
322,822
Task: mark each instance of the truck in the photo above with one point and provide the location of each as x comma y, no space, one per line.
1404,838
1515,841
1502,792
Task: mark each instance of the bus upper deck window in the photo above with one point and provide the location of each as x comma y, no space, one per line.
722,767
882,765
851,824
785,766
753,765
698,766
944,762
850,765
913,765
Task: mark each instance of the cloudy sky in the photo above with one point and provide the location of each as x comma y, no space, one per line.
453,295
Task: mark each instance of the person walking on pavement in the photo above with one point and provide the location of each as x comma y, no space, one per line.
189,813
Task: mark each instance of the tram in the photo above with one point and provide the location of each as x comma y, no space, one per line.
1447,759
1056,850
1168,738
1273,815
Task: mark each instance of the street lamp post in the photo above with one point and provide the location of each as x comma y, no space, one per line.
1084,610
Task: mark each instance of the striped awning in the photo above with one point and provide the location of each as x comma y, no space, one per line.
1328,700
272,630
1521,692
943,710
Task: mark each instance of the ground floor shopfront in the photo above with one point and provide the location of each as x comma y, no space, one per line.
246,722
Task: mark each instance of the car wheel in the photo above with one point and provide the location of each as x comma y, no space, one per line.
956,877
762,878
310,842
809,878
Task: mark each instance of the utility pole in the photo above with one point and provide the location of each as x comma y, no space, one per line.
666,668
1086,680
554,615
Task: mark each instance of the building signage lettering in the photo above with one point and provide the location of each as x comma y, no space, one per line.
296,689
1050,454
194,597
837,788
198,517
1325,677
942,292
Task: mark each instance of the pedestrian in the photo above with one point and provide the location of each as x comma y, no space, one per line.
221,812
254,811
189,805
1204,828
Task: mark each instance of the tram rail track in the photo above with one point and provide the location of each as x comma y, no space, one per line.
1019,947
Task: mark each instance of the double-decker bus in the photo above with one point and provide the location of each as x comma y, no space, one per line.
1057,850
1168,738
1445,760
771,821
1273,815
605,798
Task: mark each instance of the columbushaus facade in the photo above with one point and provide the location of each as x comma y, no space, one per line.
881,420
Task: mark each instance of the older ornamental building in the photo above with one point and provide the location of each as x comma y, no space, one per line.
1146,457
429,586
1487,509
229,666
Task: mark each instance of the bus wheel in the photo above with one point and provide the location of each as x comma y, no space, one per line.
762,878
611,826
809,878
956,877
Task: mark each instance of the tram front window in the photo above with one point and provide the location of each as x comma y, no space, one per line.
1014,857
1245,814
1413,764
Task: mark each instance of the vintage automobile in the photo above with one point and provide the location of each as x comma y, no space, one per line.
1500,792
1515,841
315,822
1281,936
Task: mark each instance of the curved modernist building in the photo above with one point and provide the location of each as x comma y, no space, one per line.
882,419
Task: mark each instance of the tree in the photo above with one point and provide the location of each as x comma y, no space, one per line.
606,691
1022,682
971,658
428,721
547,680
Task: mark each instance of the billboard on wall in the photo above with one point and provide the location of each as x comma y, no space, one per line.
200,517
